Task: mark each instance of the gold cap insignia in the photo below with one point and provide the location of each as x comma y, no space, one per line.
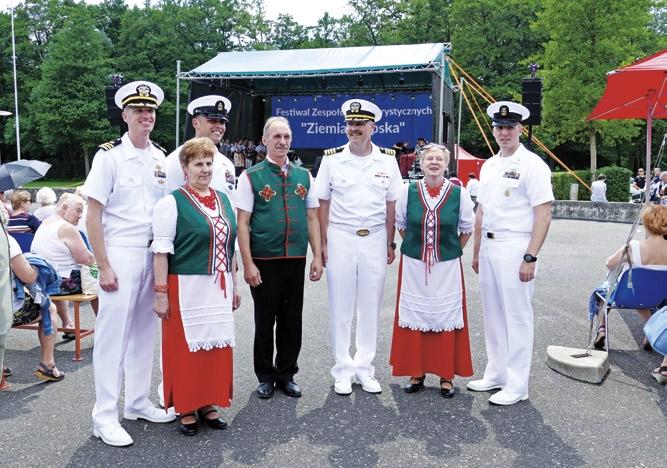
220,105
504,110
355,106
144,90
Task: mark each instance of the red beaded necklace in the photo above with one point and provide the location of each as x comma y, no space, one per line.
207,200
435,190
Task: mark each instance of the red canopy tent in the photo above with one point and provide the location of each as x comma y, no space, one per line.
637,91
467,163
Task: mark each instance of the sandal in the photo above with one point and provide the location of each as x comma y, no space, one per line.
660,374
600,338
447,392
188,429
413,387
215,422
48,374
7,371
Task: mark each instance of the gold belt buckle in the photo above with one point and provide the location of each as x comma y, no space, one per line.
363,232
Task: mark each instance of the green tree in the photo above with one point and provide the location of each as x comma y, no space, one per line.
493,41
67,104
576,59
287,33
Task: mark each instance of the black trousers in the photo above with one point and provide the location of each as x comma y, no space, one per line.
278,302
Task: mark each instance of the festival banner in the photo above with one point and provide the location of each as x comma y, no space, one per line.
317,121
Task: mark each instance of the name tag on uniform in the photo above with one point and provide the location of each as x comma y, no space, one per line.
382,175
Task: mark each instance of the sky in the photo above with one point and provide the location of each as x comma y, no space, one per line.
306,12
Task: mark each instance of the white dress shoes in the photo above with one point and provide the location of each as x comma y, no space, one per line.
368,383
505,398
343,386
482,385
152,414
113,435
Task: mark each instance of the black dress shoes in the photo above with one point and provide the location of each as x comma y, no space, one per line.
290,388
189,429
265,390
213,423
447,392
415,387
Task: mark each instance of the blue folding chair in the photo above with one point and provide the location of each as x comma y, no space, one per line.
638,288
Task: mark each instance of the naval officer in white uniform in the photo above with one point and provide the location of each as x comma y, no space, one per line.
124,184
512,221
358,185
209,119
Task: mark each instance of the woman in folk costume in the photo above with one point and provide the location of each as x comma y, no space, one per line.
196,291
435,219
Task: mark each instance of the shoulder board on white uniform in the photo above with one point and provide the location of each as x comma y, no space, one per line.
388,151
159,147
109,144
332,151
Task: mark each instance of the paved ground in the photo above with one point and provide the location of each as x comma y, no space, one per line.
565,422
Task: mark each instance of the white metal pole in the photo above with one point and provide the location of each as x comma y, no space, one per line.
442,96
458,126
178,100
16,92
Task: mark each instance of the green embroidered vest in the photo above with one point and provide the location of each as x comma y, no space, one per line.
194,245
445,219
279,221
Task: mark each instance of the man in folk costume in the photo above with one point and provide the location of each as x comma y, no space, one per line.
358,185
210,115
125,182
277,219
512,221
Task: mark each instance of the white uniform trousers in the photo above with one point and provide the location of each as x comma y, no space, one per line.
508,313
356,270
124,336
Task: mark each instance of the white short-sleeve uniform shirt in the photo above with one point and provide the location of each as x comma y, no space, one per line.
128,181
359,187
222,179
509,189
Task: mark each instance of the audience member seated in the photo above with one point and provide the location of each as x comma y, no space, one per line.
650,252
46,198
27,274
22,225
59,241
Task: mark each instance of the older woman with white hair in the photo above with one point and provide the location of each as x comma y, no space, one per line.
435,219
46,198
59,241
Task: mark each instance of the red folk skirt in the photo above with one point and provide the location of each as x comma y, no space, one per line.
192,380
415,353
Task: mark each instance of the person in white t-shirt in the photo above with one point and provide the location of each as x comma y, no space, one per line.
599,189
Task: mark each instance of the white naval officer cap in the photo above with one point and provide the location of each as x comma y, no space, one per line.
360,109
507,113
139,94
211,106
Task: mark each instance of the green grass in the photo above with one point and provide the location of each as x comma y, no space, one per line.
71,183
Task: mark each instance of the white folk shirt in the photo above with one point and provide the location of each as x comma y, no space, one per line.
222,179
128,182
245,198
359,187
510,187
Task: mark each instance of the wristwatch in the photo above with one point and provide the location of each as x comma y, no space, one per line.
392,245
528,258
